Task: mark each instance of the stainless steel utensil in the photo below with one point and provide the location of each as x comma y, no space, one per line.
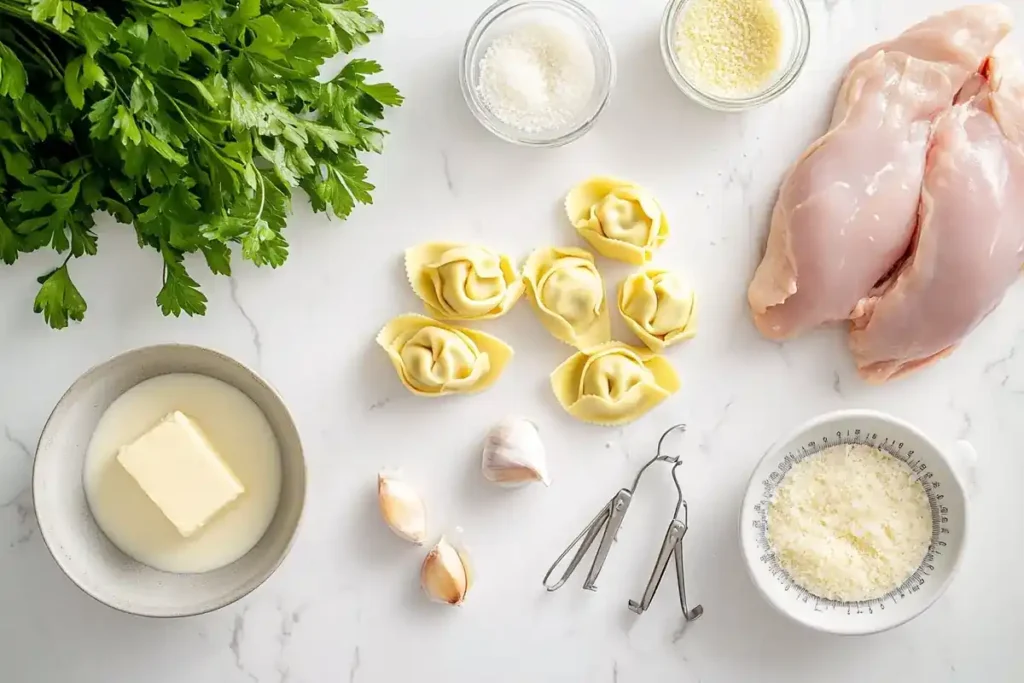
610,519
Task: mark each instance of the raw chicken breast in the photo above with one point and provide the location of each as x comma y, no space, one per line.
846,211
970,244
956,37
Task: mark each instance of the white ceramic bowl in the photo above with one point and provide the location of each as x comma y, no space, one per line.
80,547
946,494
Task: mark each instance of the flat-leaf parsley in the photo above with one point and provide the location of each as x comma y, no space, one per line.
191,120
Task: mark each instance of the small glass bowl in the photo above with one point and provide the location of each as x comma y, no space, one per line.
496,21
797,31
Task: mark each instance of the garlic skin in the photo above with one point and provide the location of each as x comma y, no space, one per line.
402,508
513,454
446,575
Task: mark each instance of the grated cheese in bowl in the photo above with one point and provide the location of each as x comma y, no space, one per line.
733,55
850,523
732,47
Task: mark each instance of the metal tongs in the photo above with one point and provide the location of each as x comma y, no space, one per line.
610,518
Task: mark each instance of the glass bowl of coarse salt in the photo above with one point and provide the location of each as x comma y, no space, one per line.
537,72
733,55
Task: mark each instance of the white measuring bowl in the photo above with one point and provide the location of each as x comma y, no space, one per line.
946,496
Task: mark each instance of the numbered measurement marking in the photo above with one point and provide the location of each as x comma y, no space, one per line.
932,488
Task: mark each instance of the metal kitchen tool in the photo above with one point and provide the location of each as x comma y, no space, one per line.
610,519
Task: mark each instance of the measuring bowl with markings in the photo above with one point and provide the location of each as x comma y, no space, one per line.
937,471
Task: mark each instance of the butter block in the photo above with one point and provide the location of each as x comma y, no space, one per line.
177,467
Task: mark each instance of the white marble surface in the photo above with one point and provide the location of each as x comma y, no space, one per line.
345,605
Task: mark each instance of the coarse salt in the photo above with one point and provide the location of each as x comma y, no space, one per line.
539,76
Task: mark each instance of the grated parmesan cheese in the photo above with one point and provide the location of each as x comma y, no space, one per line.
539,76
729,47
850,523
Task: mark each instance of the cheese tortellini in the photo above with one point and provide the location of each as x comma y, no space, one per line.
568,294
433,359
462,281
659,307
620,219
612,384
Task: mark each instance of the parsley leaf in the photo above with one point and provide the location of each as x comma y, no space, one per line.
8,244
187,13
95,31
58,12
218,258
58,299
180,293
12,73
352,22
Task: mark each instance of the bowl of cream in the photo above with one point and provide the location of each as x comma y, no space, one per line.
169,481
855,522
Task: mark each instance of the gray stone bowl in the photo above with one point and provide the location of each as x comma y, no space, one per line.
80,547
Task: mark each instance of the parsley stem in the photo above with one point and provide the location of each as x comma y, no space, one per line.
45,45
202,138
15,11
200,113
263,196
33,55
46,61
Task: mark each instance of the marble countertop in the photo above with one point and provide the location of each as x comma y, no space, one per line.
346,606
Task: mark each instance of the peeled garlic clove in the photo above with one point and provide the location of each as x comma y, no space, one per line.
446,575
513,454
402,508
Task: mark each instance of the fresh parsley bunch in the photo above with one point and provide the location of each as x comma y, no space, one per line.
192,120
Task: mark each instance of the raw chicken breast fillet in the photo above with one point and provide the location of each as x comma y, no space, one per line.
969,247
847,210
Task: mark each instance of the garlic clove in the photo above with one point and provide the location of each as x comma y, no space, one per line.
446,575
402,508
514,455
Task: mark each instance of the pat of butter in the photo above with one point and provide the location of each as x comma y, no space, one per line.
177,467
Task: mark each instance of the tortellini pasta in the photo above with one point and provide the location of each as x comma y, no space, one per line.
613,383
620,219
433,359
659,307
568,294
462,281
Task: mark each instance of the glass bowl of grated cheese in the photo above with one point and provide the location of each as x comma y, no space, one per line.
537,73
856,522
734,55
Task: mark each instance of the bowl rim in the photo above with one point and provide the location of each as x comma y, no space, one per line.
232,596
735,104
587,21
750,493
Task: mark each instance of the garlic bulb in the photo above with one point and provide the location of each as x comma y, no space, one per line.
446,575
513,454
402,508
